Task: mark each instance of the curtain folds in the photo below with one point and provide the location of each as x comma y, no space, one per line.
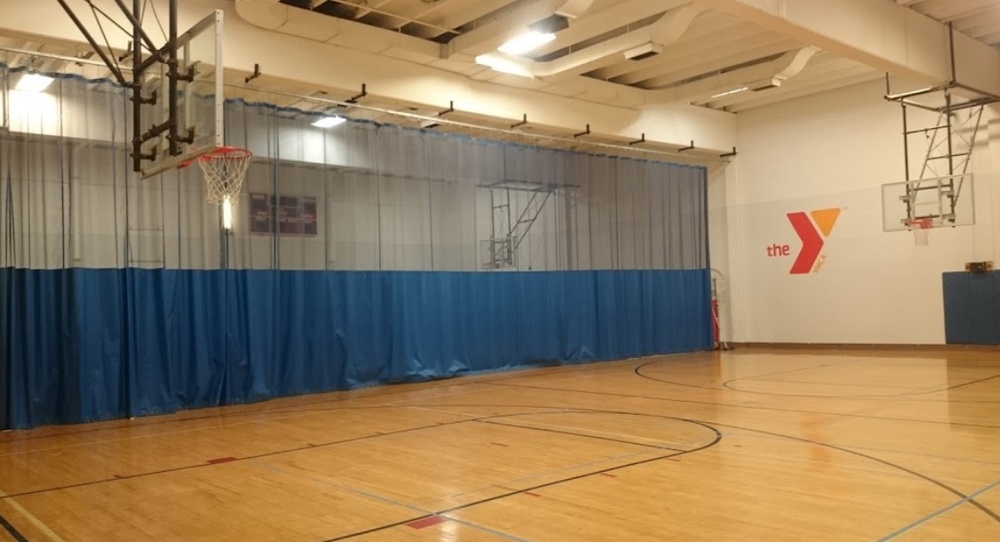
359,254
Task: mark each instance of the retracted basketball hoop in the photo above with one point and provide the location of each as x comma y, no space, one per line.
921,228
224,170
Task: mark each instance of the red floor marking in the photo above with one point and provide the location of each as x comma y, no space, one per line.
426,522
218,460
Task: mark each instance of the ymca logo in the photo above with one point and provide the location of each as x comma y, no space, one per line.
812,228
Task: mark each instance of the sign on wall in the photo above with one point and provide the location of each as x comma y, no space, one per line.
813,228
282,215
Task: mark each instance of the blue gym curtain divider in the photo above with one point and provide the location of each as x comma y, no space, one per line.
86,344
5,352
368,253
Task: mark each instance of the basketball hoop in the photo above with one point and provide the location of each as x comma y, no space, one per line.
921,228
224,169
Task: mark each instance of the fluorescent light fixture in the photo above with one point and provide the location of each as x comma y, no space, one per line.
731,92
529,41
329,122
33,82
227,214
504,65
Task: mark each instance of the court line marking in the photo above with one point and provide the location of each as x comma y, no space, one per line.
11,530
751,407
986,510
528,490
380,498
968,499
503,485
562,429
39,524
931,389
899,397
239,459
277,418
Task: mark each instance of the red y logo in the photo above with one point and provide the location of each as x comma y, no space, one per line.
812,241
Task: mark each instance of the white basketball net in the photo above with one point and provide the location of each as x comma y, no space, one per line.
224,170
921,228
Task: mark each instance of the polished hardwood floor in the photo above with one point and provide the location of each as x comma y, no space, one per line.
748,445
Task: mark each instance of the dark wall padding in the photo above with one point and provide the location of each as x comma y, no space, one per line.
85,344
972,308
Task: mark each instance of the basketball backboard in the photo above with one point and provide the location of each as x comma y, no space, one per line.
944,201
200,100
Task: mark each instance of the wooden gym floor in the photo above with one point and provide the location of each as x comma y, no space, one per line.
748,446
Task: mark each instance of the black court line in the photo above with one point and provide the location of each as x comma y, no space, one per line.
792,371
11,530
716,440
546,430
807,383
955,387
912,472
887,463
444,382
431,384
751,407
727,386
239,459
890,464
470,419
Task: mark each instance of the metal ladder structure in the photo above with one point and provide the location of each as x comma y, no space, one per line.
507,232
950,143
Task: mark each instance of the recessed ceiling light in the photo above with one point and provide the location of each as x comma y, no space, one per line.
329,122
529,41
731,92
34,82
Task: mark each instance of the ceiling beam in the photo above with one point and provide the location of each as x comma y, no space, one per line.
770,73
879,33
678,59
674,71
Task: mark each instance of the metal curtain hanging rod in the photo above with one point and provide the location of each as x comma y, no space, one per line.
402,114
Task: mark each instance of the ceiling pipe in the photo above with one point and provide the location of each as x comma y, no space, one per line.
649,40
753,78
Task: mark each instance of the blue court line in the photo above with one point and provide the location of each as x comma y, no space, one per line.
938,513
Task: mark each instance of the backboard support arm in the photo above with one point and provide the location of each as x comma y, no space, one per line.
93,43
167,54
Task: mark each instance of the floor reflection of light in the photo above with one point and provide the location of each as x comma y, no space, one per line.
449,531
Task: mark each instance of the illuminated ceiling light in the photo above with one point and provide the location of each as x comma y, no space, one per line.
504,65
34,82
529,41
731,92
329,122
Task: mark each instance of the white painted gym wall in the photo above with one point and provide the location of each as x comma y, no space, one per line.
835,150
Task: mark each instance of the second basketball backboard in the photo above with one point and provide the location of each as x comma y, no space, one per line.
943,201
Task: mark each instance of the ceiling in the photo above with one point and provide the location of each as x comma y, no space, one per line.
694,46
622,52
693,54
979,19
